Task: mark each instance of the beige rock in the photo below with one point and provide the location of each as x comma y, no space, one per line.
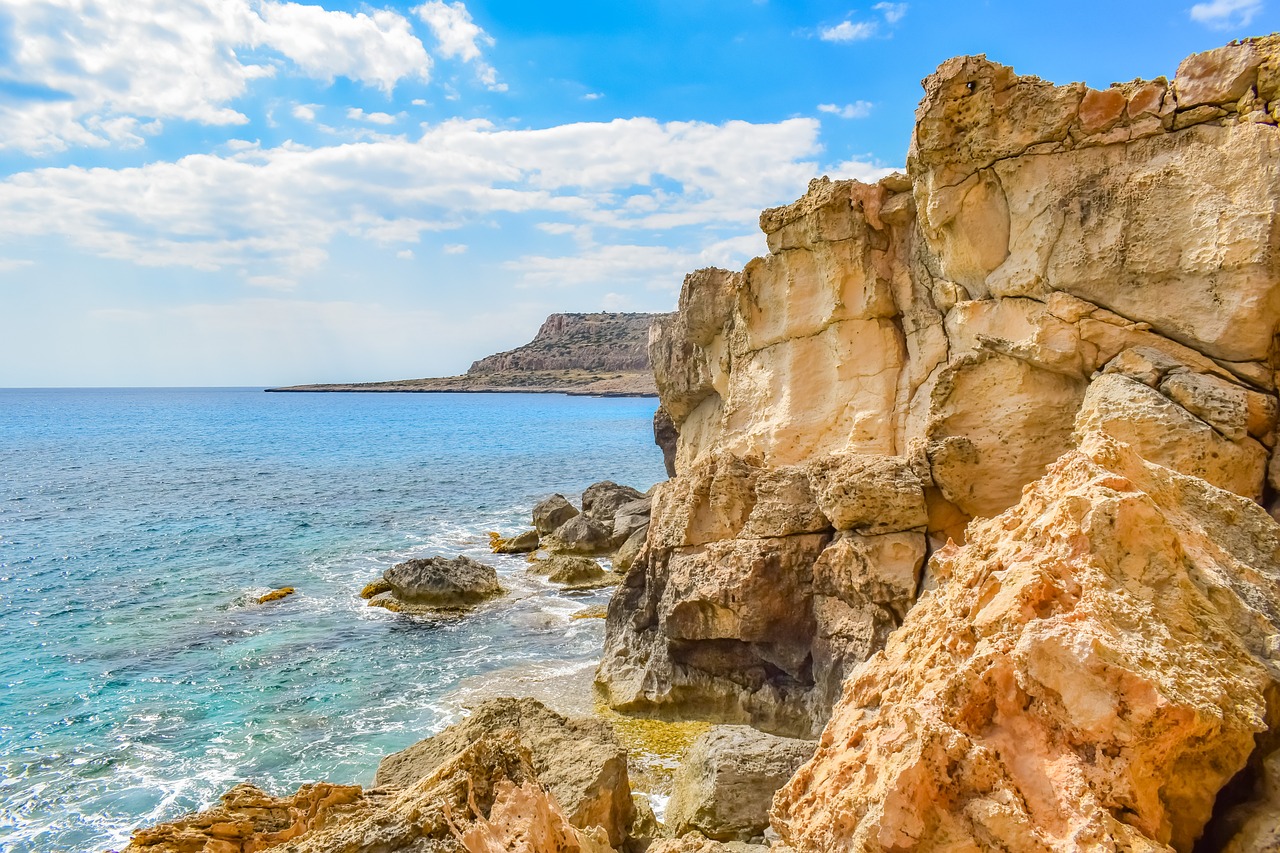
579,760
248,819
1092,670
1165,433
871,494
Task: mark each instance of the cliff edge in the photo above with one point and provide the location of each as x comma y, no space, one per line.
973,477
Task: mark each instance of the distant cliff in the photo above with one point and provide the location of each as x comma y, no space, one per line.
592,342
598,354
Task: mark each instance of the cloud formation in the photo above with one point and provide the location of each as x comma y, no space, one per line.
100,72
858,109
850,30
1226,14
460,38
270,214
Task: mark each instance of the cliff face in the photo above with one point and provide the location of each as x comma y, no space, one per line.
1062,319
593,342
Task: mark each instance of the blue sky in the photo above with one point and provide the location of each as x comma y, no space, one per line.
245,192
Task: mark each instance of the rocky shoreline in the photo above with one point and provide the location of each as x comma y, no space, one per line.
971,526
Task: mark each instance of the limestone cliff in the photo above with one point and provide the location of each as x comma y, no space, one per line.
1063,319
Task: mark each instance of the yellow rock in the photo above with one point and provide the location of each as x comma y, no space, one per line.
277,594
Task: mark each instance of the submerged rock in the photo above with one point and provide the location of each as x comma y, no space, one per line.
435,584
276,594
578,759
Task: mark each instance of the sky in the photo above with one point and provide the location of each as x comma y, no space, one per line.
255,192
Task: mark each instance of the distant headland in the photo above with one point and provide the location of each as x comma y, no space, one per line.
600,355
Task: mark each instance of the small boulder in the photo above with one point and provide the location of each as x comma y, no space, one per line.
437,583
580,535
277,594
521,543
602,500
578,572
726,784
552,513
578,759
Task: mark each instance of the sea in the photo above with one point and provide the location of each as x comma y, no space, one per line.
139,677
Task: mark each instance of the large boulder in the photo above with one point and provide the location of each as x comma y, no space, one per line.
552,512
600,501
436,584
726,783
521,543
579,760
580,535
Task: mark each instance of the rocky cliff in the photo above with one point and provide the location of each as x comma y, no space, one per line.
593,342
973,477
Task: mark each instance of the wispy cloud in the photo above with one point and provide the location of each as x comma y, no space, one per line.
850,30
460,38
1226,14
455,248
847,31
357,114
858,109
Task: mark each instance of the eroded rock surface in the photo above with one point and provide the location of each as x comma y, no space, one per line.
1056,263
434,584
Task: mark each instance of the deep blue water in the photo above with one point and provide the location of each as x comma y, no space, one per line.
138,680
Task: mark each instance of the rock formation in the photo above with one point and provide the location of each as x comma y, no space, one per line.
433,585
1063,318
600,354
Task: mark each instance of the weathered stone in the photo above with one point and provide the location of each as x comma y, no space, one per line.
665,436
601,500
573,572
247,819
1098,654
438,583
521,543
871,494
578,759
630,517
552,512
580,535
1164,432
727,780
630,550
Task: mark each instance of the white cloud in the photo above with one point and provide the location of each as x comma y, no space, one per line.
455,248
405,254
655,267
858,109
592,96
847,31
305,112
273,212
272,282
1226,14
11,264
460,38
893,12
357,114
107,67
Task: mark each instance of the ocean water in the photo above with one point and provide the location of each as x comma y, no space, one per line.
138,678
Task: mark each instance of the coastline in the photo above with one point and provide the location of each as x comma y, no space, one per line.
574,383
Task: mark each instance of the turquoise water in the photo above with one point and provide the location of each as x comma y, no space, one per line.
138,526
